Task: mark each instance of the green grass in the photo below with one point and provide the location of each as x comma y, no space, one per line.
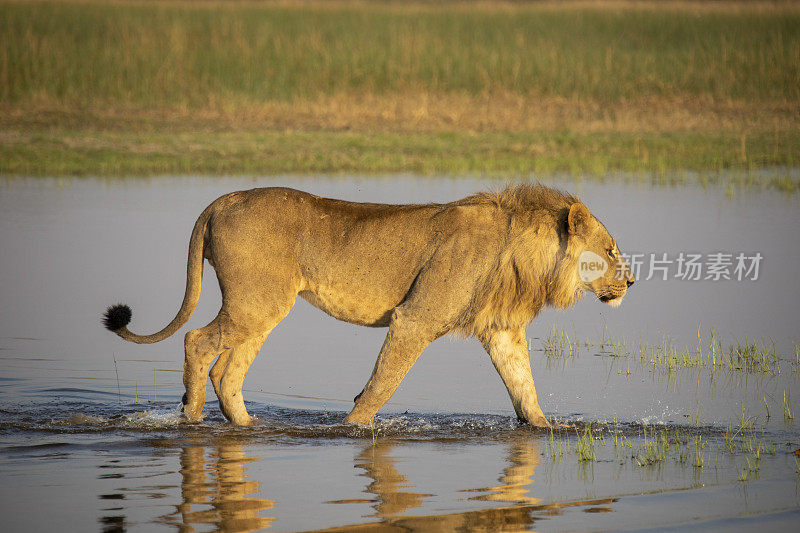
698,458
754,357
786,406
558,344
667,92
585,449
654,447
691,158
652,450
157,53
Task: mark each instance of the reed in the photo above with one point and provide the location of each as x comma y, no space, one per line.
558,344
754,357
786,406
585,448
698,457
116,372
653,449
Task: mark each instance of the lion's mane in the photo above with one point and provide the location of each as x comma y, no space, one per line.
535,266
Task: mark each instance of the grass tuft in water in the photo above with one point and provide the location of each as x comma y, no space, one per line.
652,449
699,452
753,447
585,448
796,362
559,345
119,393
755,357
788,412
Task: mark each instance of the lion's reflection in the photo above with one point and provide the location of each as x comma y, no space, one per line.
523,458
394,494
387,483
216,490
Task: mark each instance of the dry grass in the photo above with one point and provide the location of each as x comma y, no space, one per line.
427,112
638,86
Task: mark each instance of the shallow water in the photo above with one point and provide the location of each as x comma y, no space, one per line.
90,424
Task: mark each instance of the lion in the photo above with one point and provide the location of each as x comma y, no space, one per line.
482,266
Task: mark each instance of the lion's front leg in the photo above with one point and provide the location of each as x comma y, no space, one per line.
404,343
430,310
509,353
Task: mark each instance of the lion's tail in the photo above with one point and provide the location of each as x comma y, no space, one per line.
117,317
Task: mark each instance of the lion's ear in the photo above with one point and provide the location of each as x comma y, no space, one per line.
578,219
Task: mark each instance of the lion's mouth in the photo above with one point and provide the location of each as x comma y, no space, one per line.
611,299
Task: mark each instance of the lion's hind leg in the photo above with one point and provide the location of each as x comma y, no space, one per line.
227,376
201,347
218,369
236,335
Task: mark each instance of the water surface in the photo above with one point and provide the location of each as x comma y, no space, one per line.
89,424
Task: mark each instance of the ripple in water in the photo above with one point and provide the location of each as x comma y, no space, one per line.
286,425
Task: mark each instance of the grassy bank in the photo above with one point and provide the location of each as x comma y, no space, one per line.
160,87
657,157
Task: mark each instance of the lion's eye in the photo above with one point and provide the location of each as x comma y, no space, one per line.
611,253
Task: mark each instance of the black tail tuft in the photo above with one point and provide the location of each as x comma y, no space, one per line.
117,317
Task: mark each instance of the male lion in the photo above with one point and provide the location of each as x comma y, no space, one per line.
484,266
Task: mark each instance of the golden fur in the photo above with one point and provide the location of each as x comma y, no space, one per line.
484,266
531,271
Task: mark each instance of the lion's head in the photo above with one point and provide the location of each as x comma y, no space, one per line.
601,268
555,250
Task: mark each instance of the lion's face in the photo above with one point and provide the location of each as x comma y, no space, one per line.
601,267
